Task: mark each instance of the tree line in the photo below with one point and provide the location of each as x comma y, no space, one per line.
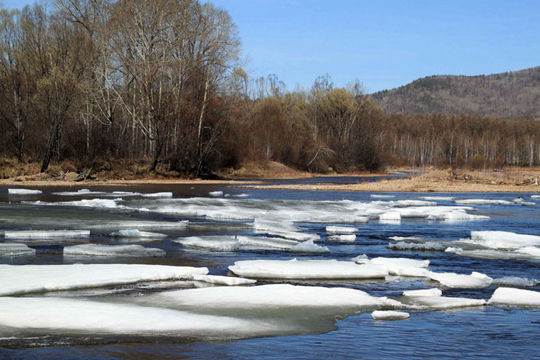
161,80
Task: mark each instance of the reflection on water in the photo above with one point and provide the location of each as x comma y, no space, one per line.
487,332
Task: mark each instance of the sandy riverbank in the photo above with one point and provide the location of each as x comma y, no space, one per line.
518,180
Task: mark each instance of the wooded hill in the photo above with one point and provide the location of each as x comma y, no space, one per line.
510,95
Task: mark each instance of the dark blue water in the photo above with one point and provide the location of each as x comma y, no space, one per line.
478,333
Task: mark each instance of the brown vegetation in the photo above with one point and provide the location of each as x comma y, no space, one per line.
153,88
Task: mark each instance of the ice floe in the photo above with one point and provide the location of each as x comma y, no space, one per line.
309,247
423,246
265,243
452,280
223,280
98,250
392,216
515,297
341,230
423,292
382,196
210,243
344,238
440,302
11,250
438,198
307,269
23,279
46,234
521,253
216,193
389,315
514,281
501,240
135,233
399,266
483,202
18,191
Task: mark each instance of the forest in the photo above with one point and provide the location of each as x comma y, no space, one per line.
162,81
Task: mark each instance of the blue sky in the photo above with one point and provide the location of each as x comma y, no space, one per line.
383,44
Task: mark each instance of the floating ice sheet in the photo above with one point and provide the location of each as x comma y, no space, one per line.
389,315
483,202
46,234
440,302
223,280
210,243
399,266
23,279
501,240
514,281
423,292
135,233
515,297
307,269
344,238
18,191
426,246
11,250
309,247
452,280
341,230
98,250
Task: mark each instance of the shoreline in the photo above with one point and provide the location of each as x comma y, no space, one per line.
511,180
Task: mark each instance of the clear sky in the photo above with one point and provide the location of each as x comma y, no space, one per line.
382,43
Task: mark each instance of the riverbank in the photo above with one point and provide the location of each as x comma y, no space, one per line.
517,180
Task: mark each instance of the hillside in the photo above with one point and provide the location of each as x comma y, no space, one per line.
511,95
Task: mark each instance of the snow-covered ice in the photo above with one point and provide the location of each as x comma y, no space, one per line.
99,250
46,234
399,266
24,279
307,269
423,292
344,238
223,280
515,297
210,243
18,191
10,250
309,247
135,233
389,315
217,193
514,281
341,230
483,202
501,240
452,280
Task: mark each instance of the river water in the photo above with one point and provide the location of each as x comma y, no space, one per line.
233,212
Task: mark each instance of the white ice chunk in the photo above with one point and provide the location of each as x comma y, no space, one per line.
521,253
46,234
452,280
423,292
223,280
274,297
135,233
265,243
441,302
350,238
210,243
502,239
535,196
24,192
515,297
382,196
81,192
390,216
532,251
389,315
23,279
400,266
9,250
407,203
514,281
309,247
426,246
158,195
483,202
341,230
99,250
216,193
457,215
438,198
307,269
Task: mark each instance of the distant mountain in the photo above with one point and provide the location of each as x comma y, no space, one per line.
511,95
